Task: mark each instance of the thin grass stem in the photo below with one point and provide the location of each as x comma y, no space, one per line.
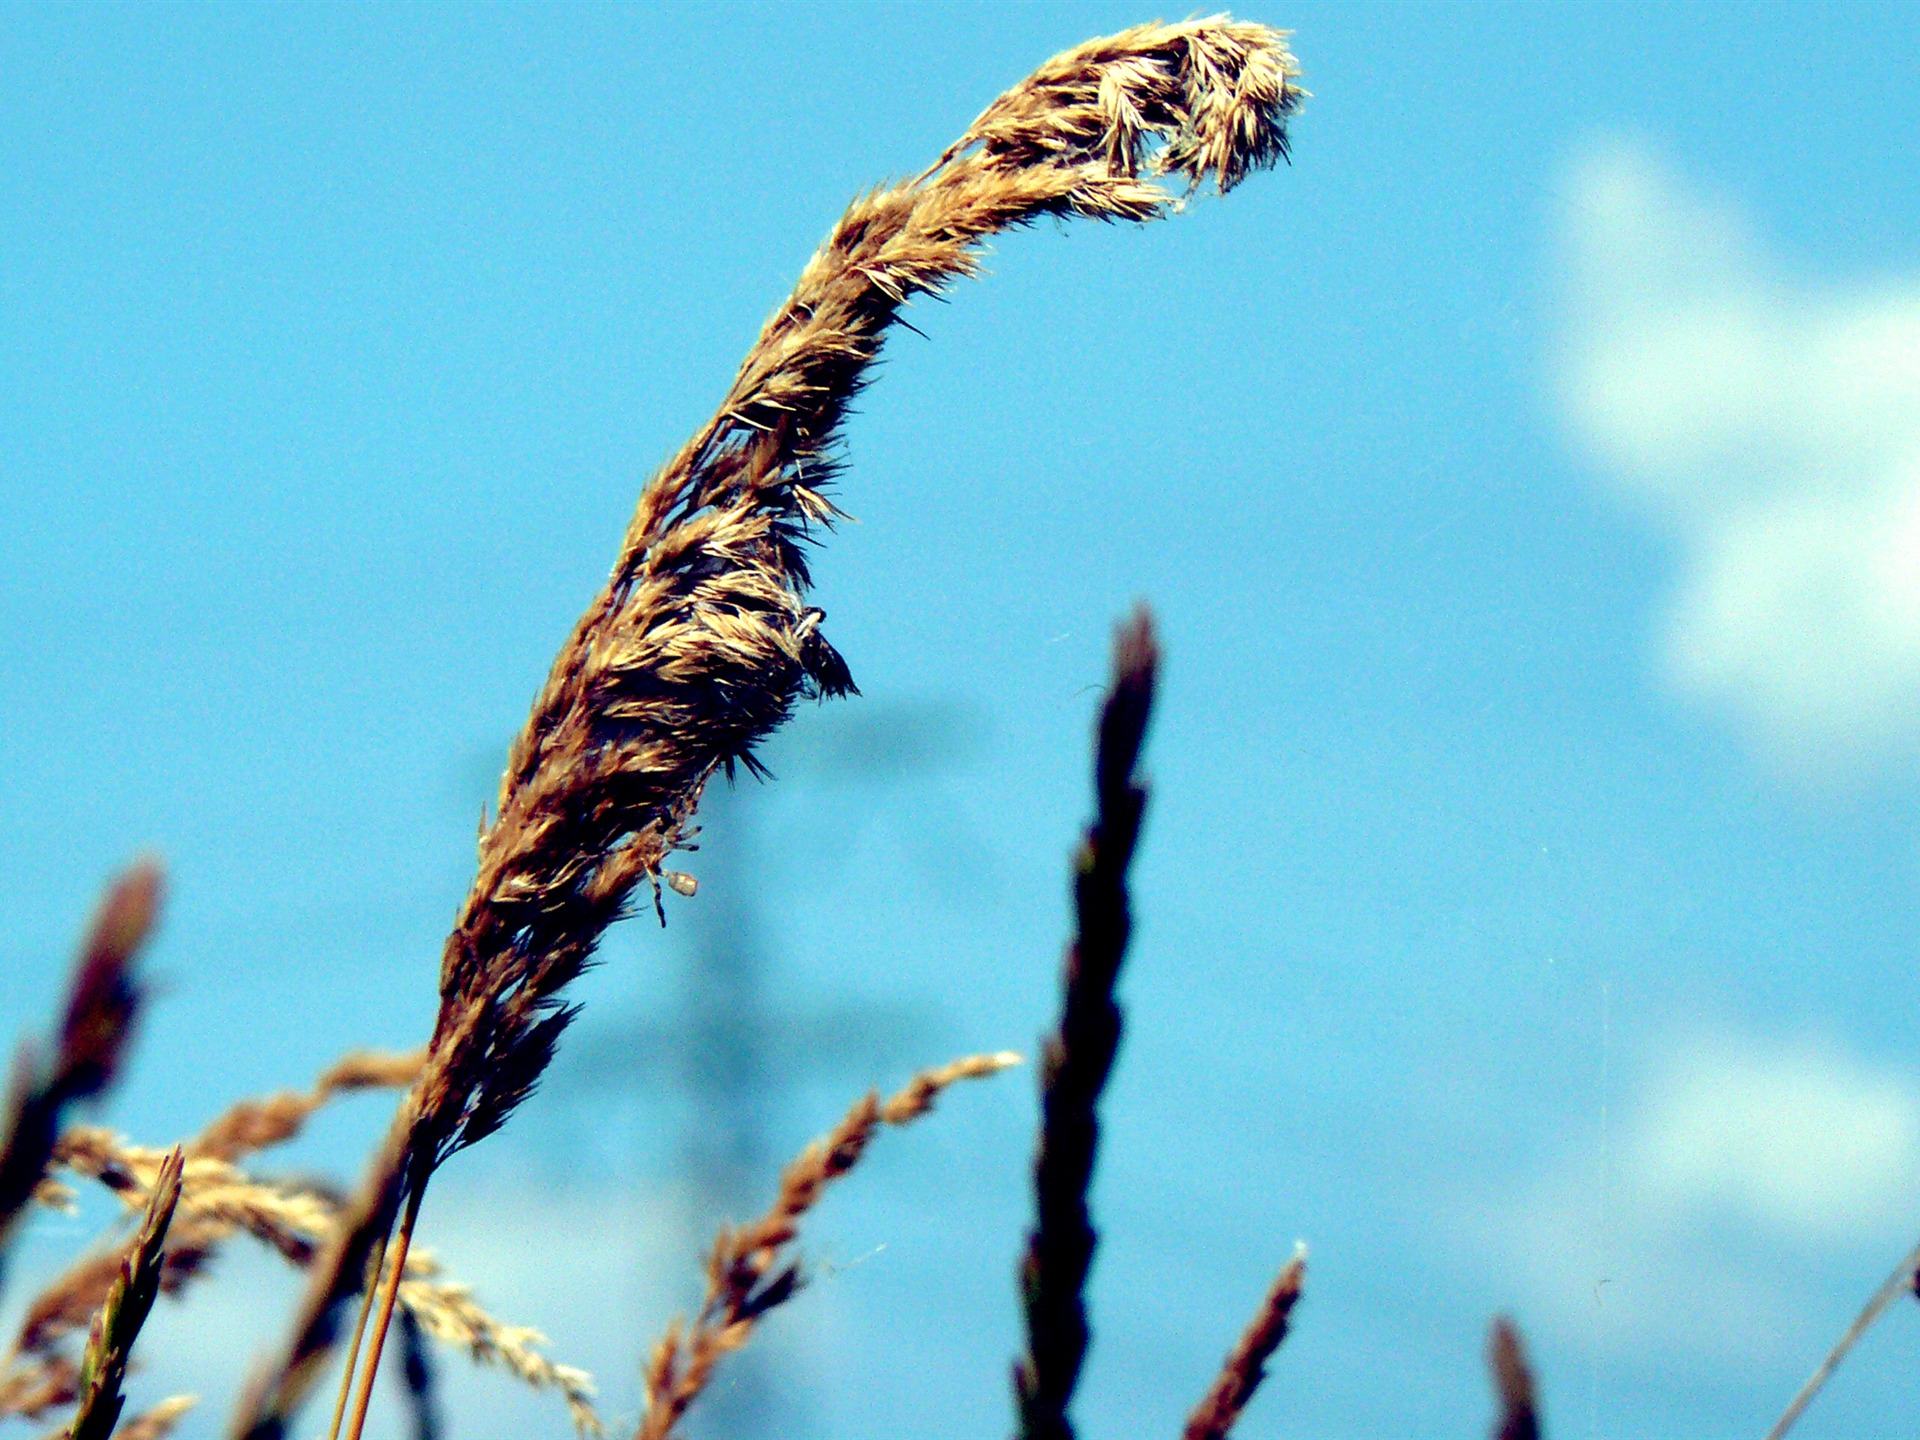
389,1293
1897,1284
374,1264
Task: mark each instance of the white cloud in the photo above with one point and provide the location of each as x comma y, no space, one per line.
1802,1143
1734,1170
1773,431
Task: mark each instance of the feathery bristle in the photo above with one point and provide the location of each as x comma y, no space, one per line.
450,1315
218,1201
157,1423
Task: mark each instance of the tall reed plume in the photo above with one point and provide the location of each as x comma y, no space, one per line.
702,641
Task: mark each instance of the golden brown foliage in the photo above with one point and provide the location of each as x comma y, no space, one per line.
255,1125
157,1423
218,1201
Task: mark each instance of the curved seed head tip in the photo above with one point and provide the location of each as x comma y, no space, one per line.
105,996
1123,719
1294,1273
917,1096
1513,1383
129,909
1289,1283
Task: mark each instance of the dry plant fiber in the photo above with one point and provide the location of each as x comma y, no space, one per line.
702,641
157,1423
1904,1279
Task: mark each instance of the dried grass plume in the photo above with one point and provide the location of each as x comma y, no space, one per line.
703,641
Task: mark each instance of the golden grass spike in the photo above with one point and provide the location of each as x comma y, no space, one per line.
448,1313
916,1097
702,641
117,1326
1217,1413
218,1201
749,1274
254,1125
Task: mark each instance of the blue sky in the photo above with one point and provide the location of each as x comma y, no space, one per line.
1528,482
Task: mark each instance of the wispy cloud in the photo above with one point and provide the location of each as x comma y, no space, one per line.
1773,429
1690,1226
1801,1143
